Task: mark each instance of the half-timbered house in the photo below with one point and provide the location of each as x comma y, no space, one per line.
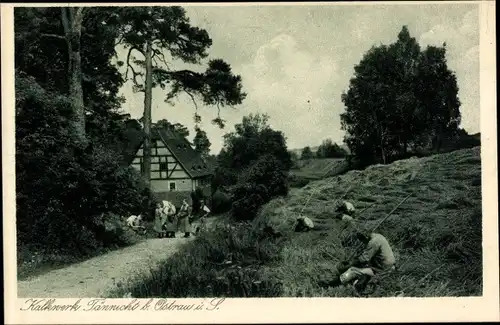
175,165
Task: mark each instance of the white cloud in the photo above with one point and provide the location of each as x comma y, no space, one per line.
462,42
295,67
293,87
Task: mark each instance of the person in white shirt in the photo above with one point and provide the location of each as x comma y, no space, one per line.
165,220
134,221
205,211
346,210
304,224
376,258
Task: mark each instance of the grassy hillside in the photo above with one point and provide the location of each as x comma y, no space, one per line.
319,167
436,236
436,233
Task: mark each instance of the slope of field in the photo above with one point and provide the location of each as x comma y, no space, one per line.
435,233
315,169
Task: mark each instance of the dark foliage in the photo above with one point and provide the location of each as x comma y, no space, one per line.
62,188
68,192
306,153
328,149
254,164
261,182
401,99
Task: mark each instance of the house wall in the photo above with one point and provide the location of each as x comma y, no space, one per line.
180,185
201,182
165,170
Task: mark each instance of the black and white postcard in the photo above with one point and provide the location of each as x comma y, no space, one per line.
193,162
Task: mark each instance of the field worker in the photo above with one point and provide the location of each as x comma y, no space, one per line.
165,216
185,219
184,206
134,221
205,212
347,218
377,258
196,198
346,208
304,224
170,224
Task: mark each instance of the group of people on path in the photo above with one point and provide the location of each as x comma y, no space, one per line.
169,220
376,259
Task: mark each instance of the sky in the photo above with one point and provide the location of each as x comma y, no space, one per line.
295,62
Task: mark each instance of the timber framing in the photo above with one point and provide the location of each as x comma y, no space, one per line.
171,155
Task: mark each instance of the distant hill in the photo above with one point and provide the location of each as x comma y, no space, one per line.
299,150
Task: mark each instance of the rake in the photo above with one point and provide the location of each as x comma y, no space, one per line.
378,225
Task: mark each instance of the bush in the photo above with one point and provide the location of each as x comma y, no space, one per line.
247,199
261,182
221,202
63,189
328,149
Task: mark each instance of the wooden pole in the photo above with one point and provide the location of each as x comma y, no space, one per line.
387,216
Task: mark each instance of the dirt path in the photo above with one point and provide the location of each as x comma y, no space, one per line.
96,276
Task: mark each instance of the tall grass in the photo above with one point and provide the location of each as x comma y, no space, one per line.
436,233
436,236
224,262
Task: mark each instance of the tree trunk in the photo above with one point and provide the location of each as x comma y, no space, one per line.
384,159
381,136
72,19
148,94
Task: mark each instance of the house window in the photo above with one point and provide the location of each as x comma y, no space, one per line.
163,166
172,186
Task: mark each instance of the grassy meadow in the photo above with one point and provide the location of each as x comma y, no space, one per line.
315,169
436,235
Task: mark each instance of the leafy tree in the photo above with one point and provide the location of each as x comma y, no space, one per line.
437,92
52,165
160,35
328,149
71,21
295,158
255,161
179,128
399,95
42,52
306,153
253,138
201,142
258,184
52,170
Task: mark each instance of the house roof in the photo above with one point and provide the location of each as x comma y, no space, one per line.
189,159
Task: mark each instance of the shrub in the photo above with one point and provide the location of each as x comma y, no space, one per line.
247,199
328,149
221,202
267,171
262,181
62,188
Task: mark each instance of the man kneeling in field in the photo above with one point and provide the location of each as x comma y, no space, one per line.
134,222
346,210
376,259
303,224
